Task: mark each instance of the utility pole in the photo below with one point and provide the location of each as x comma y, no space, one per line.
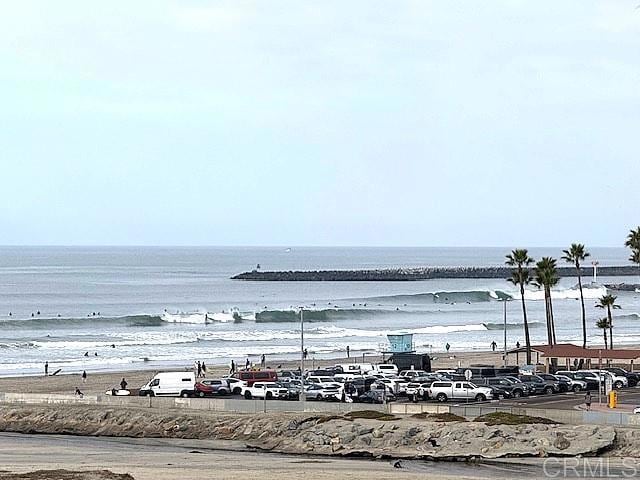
302,392
505,333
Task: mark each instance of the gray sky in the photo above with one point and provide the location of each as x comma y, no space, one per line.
319,122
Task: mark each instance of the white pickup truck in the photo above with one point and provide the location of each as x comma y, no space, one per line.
268,389
443,391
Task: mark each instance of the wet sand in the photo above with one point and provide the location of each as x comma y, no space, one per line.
151,459
101,382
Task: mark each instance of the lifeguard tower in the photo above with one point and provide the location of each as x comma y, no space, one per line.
401,352
400,343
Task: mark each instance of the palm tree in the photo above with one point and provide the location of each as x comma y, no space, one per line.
633,242
603,323
520,260
609,302
633,239
547,277
575,255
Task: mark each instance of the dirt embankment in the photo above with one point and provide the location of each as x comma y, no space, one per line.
318,434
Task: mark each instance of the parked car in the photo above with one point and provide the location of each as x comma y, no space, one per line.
252,376
564,385
322,380
265,389
376,396
397,386
208,388
170,384
323,392
617,381
540,386
574,384
632,377
590,379
507,388
443,391
417,390
411,374
236,385
386,369
358,386
294,387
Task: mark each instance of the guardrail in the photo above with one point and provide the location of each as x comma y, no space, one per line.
233,405
170,403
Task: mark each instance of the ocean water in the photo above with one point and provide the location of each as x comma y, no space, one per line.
58,303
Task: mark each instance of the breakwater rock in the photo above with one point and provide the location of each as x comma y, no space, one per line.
624,287
412,274
382,437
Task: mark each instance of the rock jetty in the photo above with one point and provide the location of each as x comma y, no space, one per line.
412,274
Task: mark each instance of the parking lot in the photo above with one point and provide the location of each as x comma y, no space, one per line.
628,397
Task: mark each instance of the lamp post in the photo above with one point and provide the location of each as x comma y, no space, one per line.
504,361
302,393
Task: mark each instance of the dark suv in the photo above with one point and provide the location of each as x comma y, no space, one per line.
633,377
537,385
504,387
591,379
563,385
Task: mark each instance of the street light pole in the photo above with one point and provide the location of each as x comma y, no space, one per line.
505,333
302,392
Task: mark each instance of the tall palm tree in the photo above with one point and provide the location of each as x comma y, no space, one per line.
633,239
609,302
633,242
520,260
603,323
575,255
547,277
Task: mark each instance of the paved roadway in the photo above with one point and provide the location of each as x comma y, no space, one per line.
629,397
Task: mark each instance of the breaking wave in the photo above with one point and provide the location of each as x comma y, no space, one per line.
472,296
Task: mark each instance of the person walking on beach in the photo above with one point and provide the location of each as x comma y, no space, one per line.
517,344
46,368
587,400
198,369
247,364
305,353
263,361
204,370
84,376
232,367
123,384
494,345
348,351
447,346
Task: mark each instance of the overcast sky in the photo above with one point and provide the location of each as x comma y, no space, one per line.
319,122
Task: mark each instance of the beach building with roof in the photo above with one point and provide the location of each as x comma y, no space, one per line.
568,355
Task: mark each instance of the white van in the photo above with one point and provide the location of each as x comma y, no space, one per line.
386,369
170,384
361,368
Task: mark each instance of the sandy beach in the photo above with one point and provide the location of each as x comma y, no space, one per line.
178,459
101,382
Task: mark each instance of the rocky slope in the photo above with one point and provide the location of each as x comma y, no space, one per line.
318,434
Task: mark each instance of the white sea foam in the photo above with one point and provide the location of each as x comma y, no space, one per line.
567,294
